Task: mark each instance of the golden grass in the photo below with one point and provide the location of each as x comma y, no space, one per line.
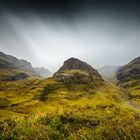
77,112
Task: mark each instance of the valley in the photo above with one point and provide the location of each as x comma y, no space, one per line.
76,103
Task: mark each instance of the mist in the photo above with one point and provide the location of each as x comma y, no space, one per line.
108,35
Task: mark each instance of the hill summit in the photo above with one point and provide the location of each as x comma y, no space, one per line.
75,64
77,71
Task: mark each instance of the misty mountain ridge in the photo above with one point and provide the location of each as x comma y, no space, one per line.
13,68
109,72
43,72
14,62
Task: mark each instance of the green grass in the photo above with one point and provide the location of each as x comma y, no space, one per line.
47,109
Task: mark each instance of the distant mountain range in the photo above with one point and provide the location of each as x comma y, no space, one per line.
109,72
43,72
14,68
8,61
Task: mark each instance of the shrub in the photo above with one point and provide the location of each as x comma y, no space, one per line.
46,91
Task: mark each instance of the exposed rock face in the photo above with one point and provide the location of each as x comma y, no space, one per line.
129,78
43,72
8,61
19,76
76,64
75,71
131,71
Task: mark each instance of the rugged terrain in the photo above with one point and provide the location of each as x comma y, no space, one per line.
12,68
129,79
8,61
75,71
75,103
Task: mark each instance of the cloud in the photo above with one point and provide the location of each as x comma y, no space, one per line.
47,40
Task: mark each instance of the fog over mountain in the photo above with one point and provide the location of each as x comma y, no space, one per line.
48,32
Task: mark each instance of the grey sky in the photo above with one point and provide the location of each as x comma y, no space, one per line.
97,38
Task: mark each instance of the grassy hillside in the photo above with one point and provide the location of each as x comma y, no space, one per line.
74,104
9,74
47,109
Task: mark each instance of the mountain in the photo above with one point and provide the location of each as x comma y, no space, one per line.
43,72
8,61
109,72
78,72
75,103
129,77
130,71
12,68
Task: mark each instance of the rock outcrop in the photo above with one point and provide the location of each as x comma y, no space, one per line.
75,71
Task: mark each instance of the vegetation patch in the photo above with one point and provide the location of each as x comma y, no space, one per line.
4,103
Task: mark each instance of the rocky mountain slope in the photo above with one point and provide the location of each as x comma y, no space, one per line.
8,61
12,68
75,103
129,78
78,72
130,71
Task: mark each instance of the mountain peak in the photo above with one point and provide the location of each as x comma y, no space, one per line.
77,71
75,64
136,60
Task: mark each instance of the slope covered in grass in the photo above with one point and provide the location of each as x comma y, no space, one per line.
70,105
48,109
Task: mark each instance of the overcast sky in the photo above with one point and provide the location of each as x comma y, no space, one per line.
46,33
